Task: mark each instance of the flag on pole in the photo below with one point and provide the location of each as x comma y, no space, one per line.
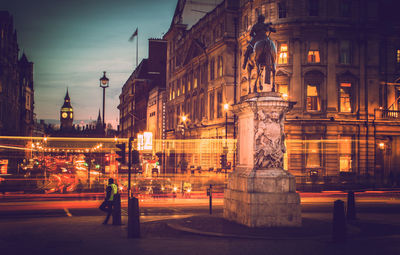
133,35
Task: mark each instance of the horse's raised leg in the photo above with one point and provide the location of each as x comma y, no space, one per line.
249,76
258,76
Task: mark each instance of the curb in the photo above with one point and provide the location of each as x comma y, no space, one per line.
222,235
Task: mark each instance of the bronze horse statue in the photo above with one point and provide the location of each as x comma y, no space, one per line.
264,56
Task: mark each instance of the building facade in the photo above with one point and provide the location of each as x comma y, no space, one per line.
134,98
338,60
200,81
16,83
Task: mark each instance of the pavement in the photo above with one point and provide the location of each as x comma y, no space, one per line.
373,232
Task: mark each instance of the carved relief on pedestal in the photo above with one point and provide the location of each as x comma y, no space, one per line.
269,139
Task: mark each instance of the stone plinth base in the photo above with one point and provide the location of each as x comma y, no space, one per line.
262,198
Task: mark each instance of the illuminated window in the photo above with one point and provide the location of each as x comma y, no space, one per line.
220,66
189,82
173,91
313,7
283,53
284,90
313,56
313,153
345,52
345,97
183,85
345,154
313,103
195,81
282,10
398,56
178,93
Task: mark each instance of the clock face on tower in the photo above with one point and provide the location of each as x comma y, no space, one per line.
64,115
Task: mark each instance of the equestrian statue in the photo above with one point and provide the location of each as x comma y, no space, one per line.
261,53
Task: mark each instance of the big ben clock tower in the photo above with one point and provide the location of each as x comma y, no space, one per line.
66,114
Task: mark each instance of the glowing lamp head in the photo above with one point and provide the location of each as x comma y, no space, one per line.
104,80
183,118
226,107
381,146
285,96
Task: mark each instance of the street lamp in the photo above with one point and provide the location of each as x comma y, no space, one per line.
104,83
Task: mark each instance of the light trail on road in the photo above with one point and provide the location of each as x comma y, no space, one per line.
17,202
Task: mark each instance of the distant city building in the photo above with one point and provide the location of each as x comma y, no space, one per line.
66,114
134,98
68,129
156,113
16,83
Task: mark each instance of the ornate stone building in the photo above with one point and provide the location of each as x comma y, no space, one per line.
16,83
200,80
340,61
27,123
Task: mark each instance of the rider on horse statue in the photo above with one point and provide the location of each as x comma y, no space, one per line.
257,33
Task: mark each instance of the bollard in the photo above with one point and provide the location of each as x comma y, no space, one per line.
116,213
339,232
209,193
351,206
133,218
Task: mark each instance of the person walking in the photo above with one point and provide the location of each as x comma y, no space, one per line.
111,194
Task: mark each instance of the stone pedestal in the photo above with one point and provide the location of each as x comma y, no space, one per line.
260,192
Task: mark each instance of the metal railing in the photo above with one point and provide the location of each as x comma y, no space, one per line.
386,114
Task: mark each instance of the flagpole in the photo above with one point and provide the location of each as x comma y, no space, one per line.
137,47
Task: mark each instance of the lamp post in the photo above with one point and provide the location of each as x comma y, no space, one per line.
226,108
183,126
104,83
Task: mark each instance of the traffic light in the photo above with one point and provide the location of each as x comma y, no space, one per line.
135,157
222,160
121,153
159,156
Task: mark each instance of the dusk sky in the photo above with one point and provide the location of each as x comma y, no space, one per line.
72,42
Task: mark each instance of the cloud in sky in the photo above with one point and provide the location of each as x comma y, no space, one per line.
72,42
